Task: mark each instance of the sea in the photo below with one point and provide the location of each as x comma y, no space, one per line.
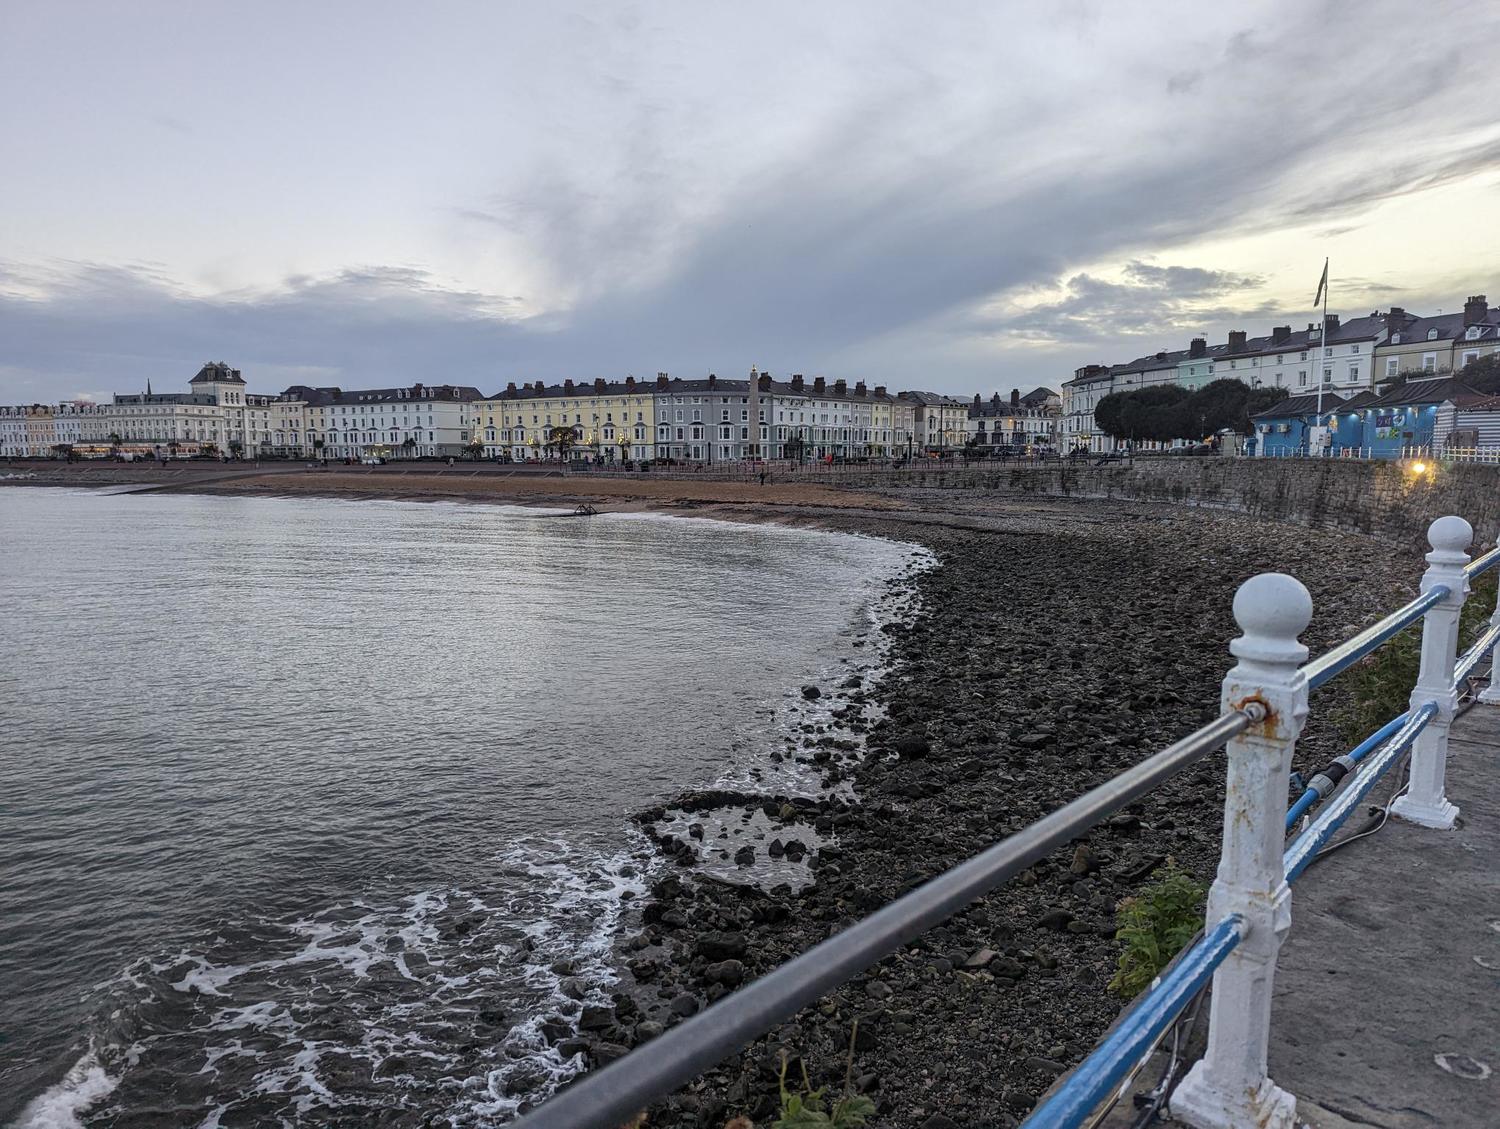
311,809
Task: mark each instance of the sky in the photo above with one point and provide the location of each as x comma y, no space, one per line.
961,197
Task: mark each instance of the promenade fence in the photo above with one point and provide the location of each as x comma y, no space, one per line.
1264,701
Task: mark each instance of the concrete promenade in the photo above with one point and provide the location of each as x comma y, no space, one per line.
1388,988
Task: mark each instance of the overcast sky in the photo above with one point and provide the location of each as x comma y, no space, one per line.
960,197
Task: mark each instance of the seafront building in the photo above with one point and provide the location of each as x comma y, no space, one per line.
1357,356
705,420
696,421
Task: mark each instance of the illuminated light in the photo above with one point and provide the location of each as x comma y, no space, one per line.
1419,468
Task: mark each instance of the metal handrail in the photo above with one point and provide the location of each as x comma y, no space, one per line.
1481,565
1138,1030
1307,845
1475,655
609,1097
1346,654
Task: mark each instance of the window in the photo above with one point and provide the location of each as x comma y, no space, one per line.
1432,334
1302,378
1392,366
1470,357
1327,373
1353,372
1429,362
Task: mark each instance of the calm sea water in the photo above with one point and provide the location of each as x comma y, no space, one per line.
301,799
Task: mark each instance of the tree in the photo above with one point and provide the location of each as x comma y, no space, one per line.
63,450
114,439
317,444
235,447
561,439
1482,374
624,443
209,449
408,445
475,449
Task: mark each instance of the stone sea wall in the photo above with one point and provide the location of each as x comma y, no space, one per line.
1385,499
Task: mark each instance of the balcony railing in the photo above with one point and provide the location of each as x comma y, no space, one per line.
1265,704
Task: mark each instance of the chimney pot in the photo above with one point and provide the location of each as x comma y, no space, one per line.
661,380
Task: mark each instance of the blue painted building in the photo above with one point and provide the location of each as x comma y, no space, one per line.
1282,429
1419,413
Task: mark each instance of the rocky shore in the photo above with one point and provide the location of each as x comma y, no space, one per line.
1055,643
1050,651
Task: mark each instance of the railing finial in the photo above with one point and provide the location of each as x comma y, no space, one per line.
1229,1088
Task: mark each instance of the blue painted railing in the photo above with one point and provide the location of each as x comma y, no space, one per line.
1137,1032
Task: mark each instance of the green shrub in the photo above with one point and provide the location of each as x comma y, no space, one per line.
1378,687
803,1109
1155,925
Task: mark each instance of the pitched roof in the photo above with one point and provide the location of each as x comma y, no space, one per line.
320,397
1361,400
1299,406
932,399
1036,395
1438,390
217,372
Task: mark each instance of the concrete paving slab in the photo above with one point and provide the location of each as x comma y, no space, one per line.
1388,988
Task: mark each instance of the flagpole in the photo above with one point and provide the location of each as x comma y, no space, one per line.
1322,345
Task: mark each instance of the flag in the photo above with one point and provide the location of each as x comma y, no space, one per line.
1322,286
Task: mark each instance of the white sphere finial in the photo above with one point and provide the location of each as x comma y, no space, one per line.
1272,609
1451,534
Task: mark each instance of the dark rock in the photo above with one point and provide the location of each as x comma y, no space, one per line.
911,748
1056,919
745,855
811,693
730,973
720,946
595,1017
684,1005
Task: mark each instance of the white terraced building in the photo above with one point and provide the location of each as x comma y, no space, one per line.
416,421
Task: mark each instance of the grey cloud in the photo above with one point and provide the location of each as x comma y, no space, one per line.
1184,82
868,249
1165,302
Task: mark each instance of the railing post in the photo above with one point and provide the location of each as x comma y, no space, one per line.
1424,802
1228,1088
1491,693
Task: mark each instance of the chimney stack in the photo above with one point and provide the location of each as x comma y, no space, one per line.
1015,397
1280,333
1236,340
1476,310
510,389
712,380
630,383
797,382
859,388
567,388
661,381
880,390
840,387
819,385
1332,322
1197,347
598,384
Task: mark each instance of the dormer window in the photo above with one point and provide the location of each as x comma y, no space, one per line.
1432,334
1474,332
